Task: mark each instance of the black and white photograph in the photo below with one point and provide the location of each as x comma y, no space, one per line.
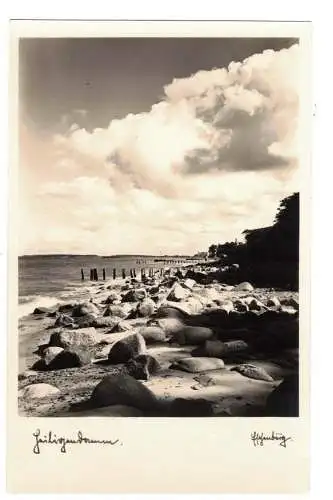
159,191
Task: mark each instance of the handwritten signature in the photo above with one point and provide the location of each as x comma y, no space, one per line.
52,439
258,438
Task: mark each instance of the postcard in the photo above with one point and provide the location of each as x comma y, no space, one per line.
158,336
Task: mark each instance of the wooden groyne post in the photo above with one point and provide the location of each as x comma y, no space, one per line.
104,274
91,275
82,275
114,273
123,273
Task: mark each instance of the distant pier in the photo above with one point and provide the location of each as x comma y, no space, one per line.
144,267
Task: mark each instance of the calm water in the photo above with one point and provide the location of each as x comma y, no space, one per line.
45,280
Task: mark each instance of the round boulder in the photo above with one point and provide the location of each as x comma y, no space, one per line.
80,337
36,391
116,310
177,293
166,311
40,310
193,335
71,358
141,367
170,325
127,348
146,308
152,334
253,371
122,389
135,295
84,309
244,287
196,365
218,349
106,322
189,283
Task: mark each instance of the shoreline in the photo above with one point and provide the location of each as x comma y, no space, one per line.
164,300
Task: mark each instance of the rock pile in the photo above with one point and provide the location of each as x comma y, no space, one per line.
222,324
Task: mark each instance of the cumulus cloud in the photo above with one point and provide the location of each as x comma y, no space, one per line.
212,158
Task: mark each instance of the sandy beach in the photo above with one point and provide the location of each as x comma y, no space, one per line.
200,347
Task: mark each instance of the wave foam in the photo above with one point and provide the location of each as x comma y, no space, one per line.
33,301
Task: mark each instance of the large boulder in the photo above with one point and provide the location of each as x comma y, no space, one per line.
116,310
41,310
189,283
170,325
152,334
146,308
80,337
198,277
191,305
168,311
36,391
64,320
218,349
122,389
67,308
142,366
50,353
127,348
196,365
135,295
70,358
39,366
253,371
84,309
177,293
194,335
244,287
107,322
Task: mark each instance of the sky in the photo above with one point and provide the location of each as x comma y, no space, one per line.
153,145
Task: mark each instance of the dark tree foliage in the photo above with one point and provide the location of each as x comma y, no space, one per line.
281,240
212,251
270,255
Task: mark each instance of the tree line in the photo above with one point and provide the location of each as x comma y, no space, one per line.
270,255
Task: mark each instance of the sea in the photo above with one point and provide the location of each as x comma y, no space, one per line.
47,280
